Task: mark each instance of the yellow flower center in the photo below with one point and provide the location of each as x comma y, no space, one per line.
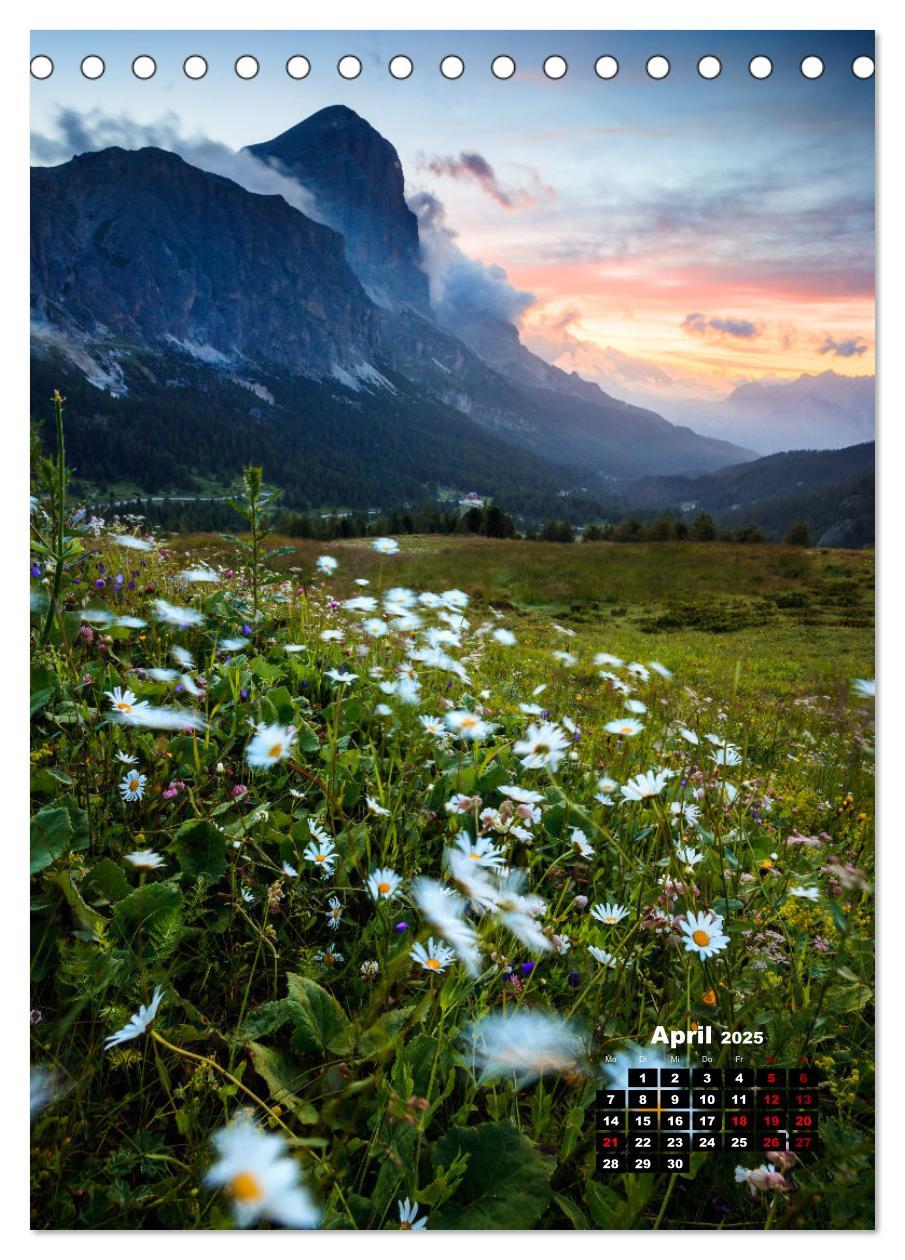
469,721
275,750
701,937
766,864
709,998
134,785
405,1225
319,857
123,707
609,918
476,856
246,1187
433,964
383,888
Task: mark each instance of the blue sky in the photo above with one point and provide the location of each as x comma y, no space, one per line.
671,236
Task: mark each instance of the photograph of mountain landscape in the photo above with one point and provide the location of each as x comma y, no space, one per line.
452,624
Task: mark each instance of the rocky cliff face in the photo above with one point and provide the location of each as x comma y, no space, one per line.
142,246
138,250
356,177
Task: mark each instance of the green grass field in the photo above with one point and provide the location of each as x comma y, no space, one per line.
390,1070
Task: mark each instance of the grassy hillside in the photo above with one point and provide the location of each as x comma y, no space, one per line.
256,865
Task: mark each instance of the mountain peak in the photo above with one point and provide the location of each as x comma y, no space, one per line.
356,176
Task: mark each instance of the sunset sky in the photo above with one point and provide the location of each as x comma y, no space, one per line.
667,238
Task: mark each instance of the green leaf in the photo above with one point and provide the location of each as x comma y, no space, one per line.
106,882
572,1211
88,920
200,849
306,737
282,1076
320,1022
277,706
264,1019
143,910
56,830
604,1204
506,1184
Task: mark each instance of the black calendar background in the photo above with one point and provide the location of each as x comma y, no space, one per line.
666,1115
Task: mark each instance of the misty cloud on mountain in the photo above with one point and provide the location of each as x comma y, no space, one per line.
461,287
88,133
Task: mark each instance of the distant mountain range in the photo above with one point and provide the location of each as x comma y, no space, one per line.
826,411
832,490
158,288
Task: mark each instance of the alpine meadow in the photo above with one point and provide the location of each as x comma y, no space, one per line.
452,632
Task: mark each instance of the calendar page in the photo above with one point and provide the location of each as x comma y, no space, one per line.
451,623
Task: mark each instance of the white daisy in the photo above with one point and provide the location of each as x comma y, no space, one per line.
685,810
145,859
361,603
579,841
636,706
375,627
638,671
522,796
332,635
565,658
469,725
342,677
481,851
607,658
270,745
321,851
130,541
603,956
334,912
688,735
375,807
866,687
810,893
642,786
688,855
543,746
608,912
524,1044
703,933
504,637
326,564
624,726
132,787
384,883
176,615
124,702
435,956
138,1024
461,804
726,756
127,759
385,546
261,1178
660,669
444,909
165,718
290,870
408,1215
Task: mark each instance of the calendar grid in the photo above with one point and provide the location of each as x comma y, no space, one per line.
665,1115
